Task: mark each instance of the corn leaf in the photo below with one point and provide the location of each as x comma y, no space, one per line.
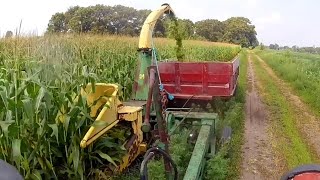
16,148
27,105
70,158
49,165
81,122
55,151
35,175
3,94
55,131
25,164
100,123
74,111
66,122
3,82
41,129
12,104
21,89
41,94
106,157
5,126
80,171
42,164
105,142
9,115
1,115
76,157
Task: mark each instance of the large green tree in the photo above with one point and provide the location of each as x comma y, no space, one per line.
211,29
83,20
239,30
57,23
188,28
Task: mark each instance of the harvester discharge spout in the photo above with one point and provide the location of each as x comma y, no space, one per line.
141,84
148,26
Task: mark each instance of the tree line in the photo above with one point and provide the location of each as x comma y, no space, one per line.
122,20
295,48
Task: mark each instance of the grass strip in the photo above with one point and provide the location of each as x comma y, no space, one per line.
300,70
289,143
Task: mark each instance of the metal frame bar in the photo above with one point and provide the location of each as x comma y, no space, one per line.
197,161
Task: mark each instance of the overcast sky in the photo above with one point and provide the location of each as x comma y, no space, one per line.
287,22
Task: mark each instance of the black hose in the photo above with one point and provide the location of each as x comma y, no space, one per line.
143,170
187,101
149,154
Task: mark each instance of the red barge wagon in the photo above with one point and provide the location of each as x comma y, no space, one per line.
200,80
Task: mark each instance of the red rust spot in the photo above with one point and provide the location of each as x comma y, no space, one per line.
133,150
146,76
135,86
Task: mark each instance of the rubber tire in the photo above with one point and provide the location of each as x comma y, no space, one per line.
9,172
300,170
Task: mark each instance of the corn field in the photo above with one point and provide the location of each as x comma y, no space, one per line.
41,123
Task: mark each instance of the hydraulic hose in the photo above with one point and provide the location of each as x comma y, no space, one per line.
149,154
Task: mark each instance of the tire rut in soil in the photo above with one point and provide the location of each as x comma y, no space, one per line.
258,160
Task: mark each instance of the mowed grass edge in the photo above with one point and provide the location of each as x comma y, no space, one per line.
300,70
288,142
